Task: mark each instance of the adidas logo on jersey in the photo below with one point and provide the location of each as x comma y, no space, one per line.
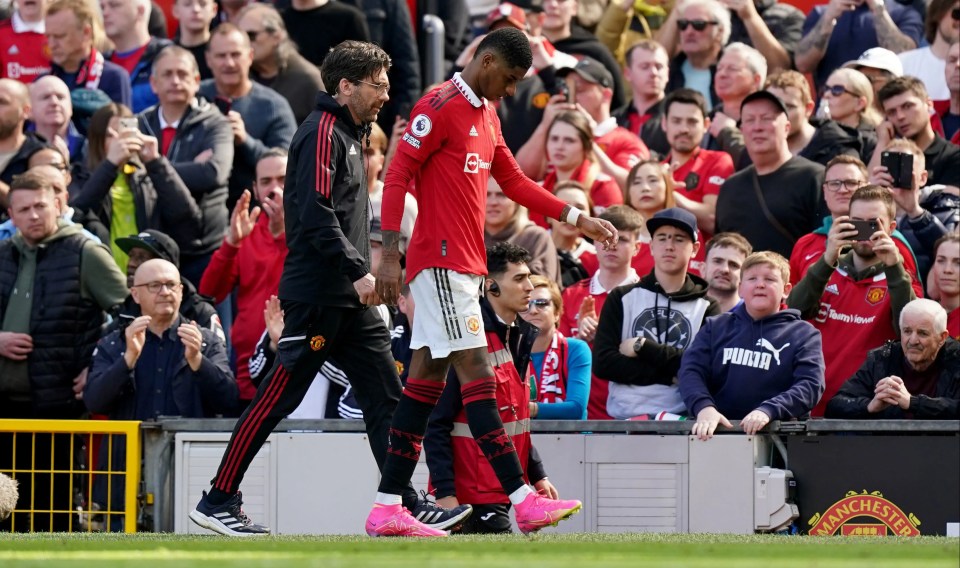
833,289
13,50
473,131
353,150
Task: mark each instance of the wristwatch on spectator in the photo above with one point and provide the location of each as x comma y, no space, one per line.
638,344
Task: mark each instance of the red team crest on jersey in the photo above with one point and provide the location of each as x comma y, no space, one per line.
317,342
876,294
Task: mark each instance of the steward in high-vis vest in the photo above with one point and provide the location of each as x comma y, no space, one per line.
458,469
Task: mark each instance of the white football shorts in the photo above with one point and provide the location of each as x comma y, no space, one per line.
446,312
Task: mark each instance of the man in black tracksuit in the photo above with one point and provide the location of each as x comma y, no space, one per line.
326,285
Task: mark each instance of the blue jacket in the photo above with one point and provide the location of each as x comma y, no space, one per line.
112,388
142,95
738,364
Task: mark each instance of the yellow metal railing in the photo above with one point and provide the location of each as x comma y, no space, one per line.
63,480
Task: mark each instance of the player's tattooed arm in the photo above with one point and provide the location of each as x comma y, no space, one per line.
391,243
389,275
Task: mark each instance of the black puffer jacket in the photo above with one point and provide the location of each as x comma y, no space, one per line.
833,139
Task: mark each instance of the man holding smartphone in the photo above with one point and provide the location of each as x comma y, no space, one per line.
923,215
908,108
855,298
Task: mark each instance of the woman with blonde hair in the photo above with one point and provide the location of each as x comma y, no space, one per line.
849,94
561,365
569,153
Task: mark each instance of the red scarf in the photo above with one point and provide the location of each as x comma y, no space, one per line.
90,71
553,376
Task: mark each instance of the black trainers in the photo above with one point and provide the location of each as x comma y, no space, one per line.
227,519
435,516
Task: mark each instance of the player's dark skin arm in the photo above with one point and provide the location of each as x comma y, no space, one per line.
389,274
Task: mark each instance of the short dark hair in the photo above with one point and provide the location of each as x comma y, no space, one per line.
873,192
623,218
509,44
31,180
849,160
646,44
686,97
729,240
354,61
502,254
901,85
273,153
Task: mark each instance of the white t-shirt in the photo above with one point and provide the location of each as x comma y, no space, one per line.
924,65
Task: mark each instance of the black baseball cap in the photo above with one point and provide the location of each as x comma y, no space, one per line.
591,70
156,243
763,95
529,5
674,217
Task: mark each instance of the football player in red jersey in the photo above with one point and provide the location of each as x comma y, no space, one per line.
450,148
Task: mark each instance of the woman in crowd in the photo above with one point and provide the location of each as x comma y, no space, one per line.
561,365
946,275
132,186
849,94
578,257
649,189
569,152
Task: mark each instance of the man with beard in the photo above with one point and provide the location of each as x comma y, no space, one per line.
698,173
16,147
327,221
726,253
855,299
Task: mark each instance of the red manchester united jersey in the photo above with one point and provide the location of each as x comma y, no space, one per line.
24,55
450,148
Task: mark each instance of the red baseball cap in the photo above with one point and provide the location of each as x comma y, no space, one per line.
513,15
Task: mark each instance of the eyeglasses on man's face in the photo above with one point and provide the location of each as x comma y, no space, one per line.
381,88
155,287
838,184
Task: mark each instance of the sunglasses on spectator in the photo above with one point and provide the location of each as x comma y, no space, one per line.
955,13
541,303
155,287
837,184
836,90
698,25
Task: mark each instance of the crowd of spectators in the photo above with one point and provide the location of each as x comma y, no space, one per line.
770,166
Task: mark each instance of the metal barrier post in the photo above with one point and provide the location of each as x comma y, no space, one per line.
434,64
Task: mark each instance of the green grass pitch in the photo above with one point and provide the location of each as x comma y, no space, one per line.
546,550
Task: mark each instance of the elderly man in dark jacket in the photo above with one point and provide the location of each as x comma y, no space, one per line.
159,365
917,378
